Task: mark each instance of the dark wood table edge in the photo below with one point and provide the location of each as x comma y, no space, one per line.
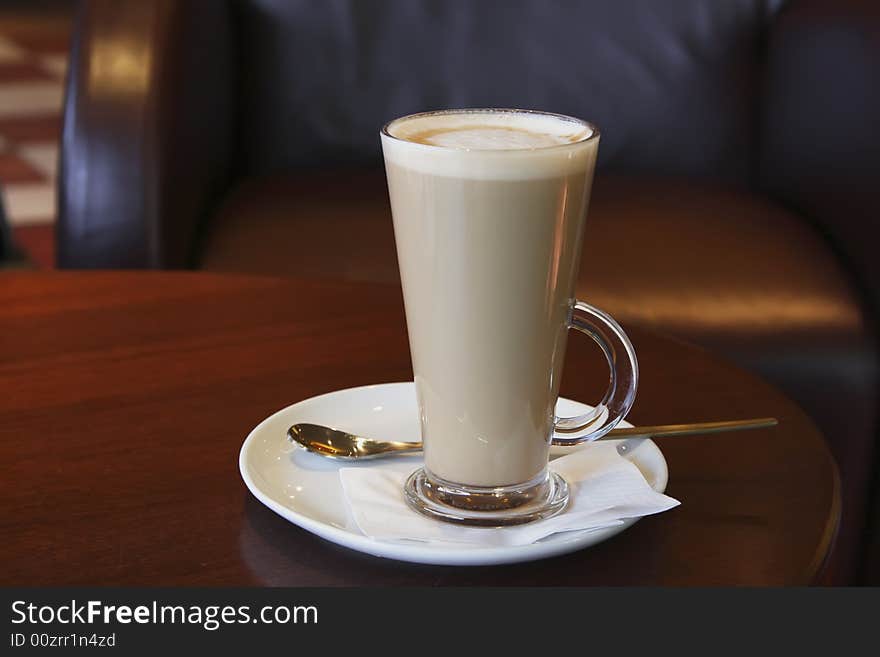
822,556
819,564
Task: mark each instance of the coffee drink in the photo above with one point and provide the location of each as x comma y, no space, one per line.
488,210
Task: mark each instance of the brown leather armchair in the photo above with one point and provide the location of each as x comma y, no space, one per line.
734,205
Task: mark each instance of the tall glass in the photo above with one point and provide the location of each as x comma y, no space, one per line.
489,224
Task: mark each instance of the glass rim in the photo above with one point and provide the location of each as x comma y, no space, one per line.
594,130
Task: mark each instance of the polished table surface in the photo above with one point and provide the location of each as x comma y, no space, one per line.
126,398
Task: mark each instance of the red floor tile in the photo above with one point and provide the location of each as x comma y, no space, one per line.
13,169
26,71
52,42
38,242
31,128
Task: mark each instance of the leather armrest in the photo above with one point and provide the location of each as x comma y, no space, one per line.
147,133
820,142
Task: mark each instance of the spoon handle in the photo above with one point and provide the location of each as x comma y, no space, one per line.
662,430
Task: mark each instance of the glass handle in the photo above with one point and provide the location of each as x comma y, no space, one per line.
622,384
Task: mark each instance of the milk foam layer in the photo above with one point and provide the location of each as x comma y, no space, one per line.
490,144
484,137
490,130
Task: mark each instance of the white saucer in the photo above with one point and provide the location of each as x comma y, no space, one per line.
305,489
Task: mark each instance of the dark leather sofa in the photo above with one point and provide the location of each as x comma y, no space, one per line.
735,204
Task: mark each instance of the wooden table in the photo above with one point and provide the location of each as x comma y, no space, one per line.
126,397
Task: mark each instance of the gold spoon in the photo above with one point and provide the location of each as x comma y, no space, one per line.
343,445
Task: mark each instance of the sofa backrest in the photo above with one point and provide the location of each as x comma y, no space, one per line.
673,85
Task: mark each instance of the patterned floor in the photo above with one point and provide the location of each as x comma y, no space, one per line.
33,61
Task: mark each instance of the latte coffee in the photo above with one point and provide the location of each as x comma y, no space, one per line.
488,210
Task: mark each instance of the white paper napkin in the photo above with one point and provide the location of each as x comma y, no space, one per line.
605,488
